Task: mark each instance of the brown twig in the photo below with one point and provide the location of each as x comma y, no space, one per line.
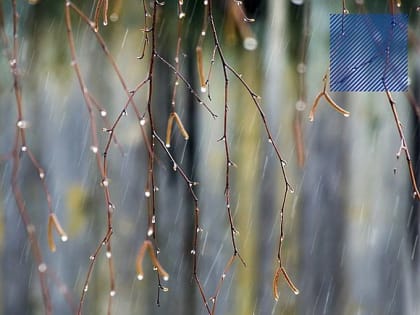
403,147
256,100
197,229
328,98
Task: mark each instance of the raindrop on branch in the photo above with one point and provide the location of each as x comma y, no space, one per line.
42,267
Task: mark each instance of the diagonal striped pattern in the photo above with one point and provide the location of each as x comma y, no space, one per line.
368,52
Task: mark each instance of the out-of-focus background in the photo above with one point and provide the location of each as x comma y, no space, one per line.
351,226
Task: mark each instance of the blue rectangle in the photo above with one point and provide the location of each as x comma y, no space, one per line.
368,52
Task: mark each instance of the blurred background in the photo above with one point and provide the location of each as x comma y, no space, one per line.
351,226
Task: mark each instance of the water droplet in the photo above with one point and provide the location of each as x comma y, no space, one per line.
345,11
156,188
250,43
150,231
181,15
155,268
42,267
103,113
223,276
30,228
203,33
164,289
112,293
73,63
291,190
22,124
64,238
203,89
346,115
165,278
13,62
213,299
94,149
206,2
270,141
124,112
284,163
168,145
140,277
105,23
86,288
108,254
192,252
297,2
24,148
41,175
147,193
175,167
105,182
91,257
142,121
153,219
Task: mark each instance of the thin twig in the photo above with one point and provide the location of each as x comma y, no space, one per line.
404,146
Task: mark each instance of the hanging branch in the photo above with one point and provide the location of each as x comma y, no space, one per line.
101,160
403,146
199,49
173,115
20,148
194,251
95,145
229,163
151,187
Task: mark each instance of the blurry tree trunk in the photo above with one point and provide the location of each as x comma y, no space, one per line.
323,215
175,206
246,139
270,185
